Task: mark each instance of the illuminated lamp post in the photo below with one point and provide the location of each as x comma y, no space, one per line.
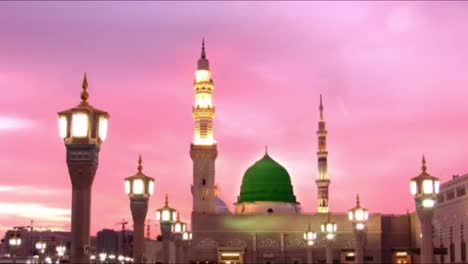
187,238
358,217
166,217
15,243
309,237
83,128
329,228
139,189
424,189
178,229
41,247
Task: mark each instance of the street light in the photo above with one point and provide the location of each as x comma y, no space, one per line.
139,188
178,227
187,236
166,217
358,217
83,128
41,246
309,237
14,242
102,256
425,189
329,228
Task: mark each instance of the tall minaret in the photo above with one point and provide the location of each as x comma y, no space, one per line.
203,149
323,181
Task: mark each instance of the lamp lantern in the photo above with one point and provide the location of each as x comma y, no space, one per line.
61,250
329,228
310,236
83,124
187,236
166,214
178,227
425,188
41,246
139,185
358,215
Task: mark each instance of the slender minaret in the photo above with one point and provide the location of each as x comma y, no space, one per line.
323,181
203,149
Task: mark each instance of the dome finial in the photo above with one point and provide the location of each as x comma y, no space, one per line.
166,202
84,93
321,108
140,167
266,150
203,54
424,167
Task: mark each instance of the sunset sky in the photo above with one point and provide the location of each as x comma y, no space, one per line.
394,77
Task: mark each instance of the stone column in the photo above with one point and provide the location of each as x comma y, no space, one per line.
427,248
310,257
359,236
329,252
166,240
179,250
82,161
139,208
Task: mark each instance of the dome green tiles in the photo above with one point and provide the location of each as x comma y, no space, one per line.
266,181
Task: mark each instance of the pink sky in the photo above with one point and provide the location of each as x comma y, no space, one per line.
393,76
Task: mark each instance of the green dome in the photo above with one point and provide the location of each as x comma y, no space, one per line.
266,181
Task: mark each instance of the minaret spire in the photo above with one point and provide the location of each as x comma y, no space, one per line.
322,155
84,93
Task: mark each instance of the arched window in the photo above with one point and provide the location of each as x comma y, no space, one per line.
270,211
203,181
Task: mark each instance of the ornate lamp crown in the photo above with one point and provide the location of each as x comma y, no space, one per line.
166,214
425,188
139,185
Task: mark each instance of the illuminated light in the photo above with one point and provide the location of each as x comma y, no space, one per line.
121,258
138,186
401,254
437,186
428,187
350,216
310,243
366,215
63,126
360,226
202,76
359,215
203,100
103,125
80,125
330,236
151,187
229,254
413,187
127,187
174,216
92,257
350,254
428,203
158,215
166,215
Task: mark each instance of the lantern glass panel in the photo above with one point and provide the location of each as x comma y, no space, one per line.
151,187
202,76
174,216
366,215
428,187
350,215
103,125
322,227
428,203
166,215
80,125
63,126
127,186
413,187
437,186
359,214
158,215
138,186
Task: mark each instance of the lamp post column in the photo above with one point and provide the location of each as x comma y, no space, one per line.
83,128
359,246
166,237
82,161
310,258
329,252
139,207
425,189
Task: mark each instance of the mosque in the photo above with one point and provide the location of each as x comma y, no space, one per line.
268,223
